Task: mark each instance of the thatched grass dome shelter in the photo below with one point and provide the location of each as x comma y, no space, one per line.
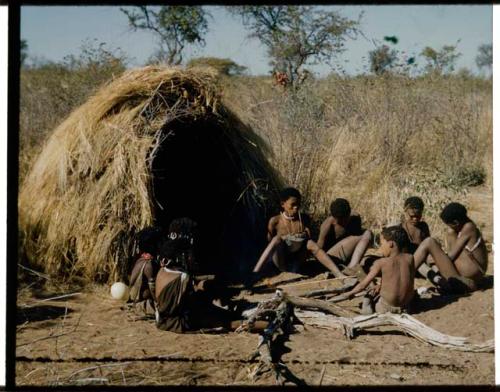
154,144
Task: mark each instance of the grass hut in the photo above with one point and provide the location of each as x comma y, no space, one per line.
155,144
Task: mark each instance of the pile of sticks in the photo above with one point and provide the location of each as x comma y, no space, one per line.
280,312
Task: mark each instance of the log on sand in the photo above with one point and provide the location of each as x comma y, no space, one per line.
319,287
402,322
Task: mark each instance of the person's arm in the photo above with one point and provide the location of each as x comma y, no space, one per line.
354,226
466,233
324,229
271,228
306,221
425,231
374,271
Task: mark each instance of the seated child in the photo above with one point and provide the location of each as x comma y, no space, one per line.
143,275
182,303
465,263
289,238
398,272
349,239
416,229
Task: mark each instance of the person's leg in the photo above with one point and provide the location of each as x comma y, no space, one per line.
360,248
344,249
324,259
368,304
441,259
268,253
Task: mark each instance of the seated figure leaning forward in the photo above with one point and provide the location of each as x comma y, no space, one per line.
289,238
342,236
464,265
395,291
143,274
184,304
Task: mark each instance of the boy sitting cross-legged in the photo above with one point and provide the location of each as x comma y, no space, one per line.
397,270
343,230
413,224
289,238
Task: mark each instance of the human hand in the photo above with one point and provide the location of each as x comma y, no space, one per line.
375,290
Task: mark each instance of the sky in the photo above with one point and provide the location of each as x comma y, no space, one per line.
53,32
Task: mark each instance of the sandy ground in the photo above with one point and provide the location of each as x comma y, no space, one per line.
87,339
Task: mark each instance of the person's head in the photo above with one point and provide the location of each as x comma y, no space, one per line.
340,210
177,251
148,240
184,228
454,215
414,207
290,200
393,237
177,254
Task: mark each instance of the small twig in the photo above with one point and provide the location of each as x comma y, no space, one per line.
96,367
322,375
48,299
51,336
57,297
22,326
41,275
33,371
261,103
90,379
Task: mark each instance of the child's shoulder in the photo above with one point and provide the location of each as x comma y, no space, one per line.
423,225
469,227
274,219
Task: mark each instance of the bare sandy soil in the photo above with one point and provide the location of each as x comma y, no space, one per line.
87,339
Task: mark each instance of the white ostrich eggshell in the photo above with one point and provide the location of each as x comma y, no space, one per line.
120,291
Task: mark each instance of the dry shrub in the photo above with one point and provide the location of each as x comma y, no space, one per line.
375,140
50,91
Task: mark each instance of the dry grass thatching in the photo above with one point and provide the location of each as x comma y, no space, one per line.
92,184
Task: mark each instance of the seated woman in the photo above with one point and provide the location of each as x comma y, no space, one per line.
465,263
143,274
182,304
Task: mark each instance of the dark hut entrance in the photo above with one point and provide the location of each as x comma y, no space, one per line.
198,174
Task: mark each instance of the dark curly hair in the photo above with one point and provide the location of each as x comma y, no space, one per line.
454,212
340,208
415,203
148,239
178,249
289,192
396,234
183,228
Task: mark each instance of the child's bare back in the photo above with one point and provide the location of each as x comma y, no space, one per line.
398,274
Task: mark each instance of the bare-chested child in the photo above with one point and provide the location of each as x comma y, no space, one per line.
289,238
465,263
413,224
143,274
398,272
184,304
342,230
